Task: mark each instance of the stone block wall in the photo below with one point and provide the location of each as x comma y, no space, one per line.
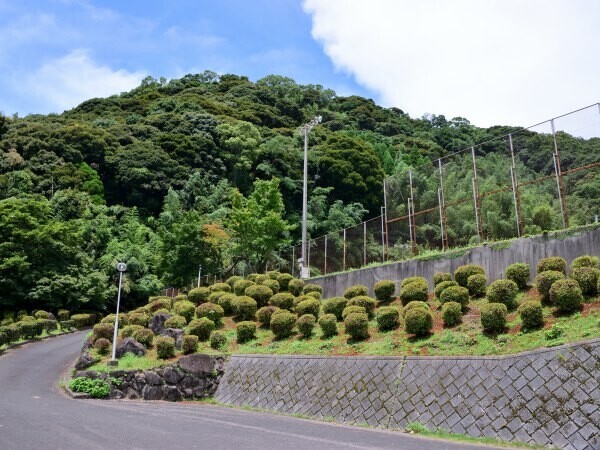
548,397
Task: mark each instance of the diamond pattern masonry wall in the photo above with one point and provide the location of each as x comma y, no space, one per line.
548,397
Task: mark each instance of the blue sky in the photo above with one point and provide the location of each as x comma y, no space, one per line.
511,62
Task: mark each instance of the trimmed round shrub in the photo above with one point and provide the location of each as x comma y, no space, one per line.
129,330
273,274
301,298
29,329
220,287
83,320
138,319
462,273
185,308
305,324
416,291
271,284
201,327
283,280
246,331
519,273
532,315
63,314
102,346
413,305
103,330
387,318
144,336
440,277
27,318
555,263
176,322
384,290
160,311
409,280
367,302
67,325
260,293
180,298
161,303
451,313
311,287
314,294
244,308
199,295
544,282
48,325
42,314
226,302
252,277
263,315
477,285
260,278
503,291
311,306
282,323
165,347
123,319
210,311
356,291
189,344
335,306
586,261
353,309
240,286
295,286
357,325
232,280
283,300
493,317
587,277
418,321
566,295
214,297
218,340
456,294
328,324
439,288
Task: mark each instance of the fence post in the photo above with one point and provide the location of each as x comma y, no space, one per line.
410,231
364,243
382,235
325,259
442,204
308,256
344,257
411,216
478,218
387,240
515,188
559,179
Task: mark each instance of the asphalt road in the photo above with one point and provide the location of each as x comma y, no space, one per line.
36,414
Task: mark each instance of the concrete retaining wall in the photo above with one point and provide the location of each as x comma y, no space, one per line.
493,259
548,397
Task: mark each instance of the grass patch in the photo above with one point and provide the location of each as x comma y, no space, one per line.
130,362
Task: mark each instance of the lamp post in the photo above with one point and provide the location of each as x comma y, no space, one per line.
121,267
305,271
199,274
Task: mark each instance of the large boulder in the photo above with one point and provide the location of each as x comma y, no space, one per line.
157,322
85,360
197,364
130,345
176,334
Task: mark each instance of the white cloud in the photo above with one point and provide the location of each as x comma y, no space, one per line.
65,82
493,61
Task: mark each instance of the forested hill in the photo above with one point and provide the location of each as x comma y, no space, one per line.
147,176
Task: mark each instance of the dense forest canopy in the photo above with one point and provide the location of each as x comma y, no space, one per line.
202,170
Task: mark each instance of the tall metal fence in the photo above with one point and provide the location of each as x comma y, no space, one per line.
543,177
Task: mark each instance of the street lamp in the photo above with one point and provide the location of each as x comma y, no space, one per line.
121,267
305,271
199,274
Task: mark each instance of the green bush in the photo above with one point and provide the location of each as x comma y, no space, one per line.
244,308
165,347
263,315
218,340
335,306
420,280
189,344
477,285
544,282
587,277
493,317
532,315
305,324
328,324
271,284
144,336
566,295
94,387
416,291
413,305
439,288
311,287
27,319
232,280
252,277
214,297
462,273
357,325
240,286
246,331
367,302
201,327
314,294
128,330
11,332
226,302
503,291
586,261
440,277
102,346
456,294
199,295
210,311
301,298
283,300
103,330
295,286
138,319
353,309
29,329
260,278
451,313
555,263
47,325
111,319
185,308
161,303
180,298
273,274
384,290
176,322
220,287
519,273
260,293
42,314
387,318
418,321
283,280
67,325
63,314
356,291
311,306
282,323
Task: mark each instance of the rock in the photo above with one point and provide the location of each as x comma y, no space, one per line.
157,322
187,393
115,393
153,393
199,392
171,394
86,373
176,334
132,394
85,360
130,345
188,382
197,364
153,379
172,375
51,316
